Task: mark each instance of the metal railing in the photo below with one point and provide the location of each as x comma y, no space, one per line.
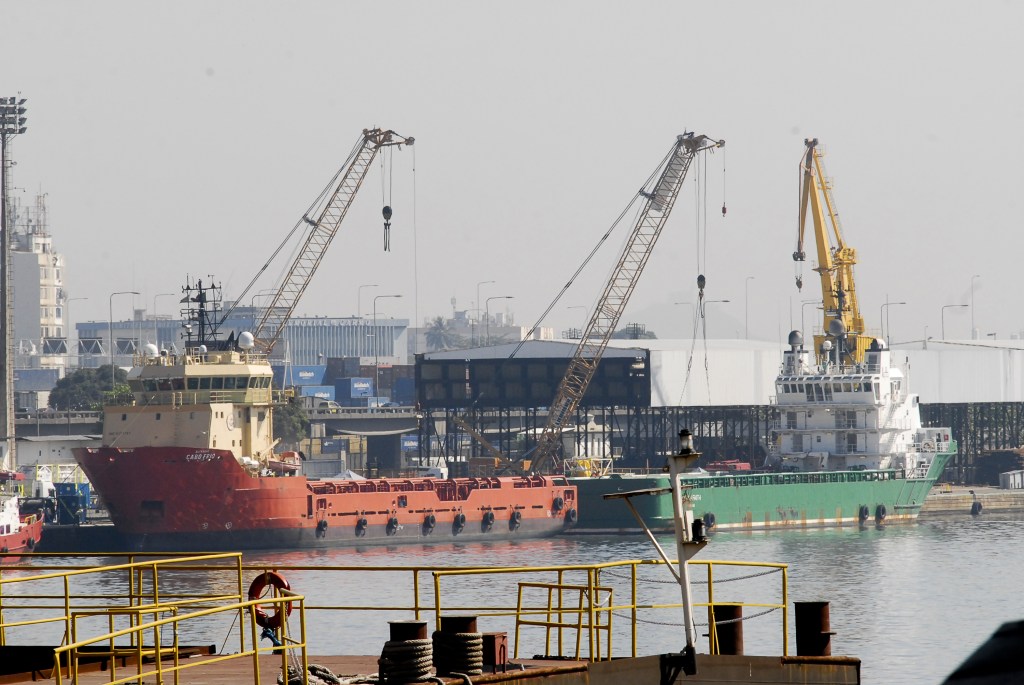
585,611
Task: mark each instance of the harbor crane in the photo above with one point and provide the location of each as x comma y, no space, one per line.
321,221
658,203
842,320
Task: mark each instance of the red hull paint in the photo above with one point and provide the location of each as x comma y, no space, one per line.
194,499
24,539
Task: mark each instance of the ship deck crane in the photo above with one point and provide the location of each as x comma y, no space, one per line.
322,221
653,215
842,320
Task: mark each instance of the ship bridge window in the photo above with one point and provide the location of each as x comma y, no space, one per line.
164,383
178,383
204,383
149,384
229,383
254,382
847,387
193,383
810,392
217,383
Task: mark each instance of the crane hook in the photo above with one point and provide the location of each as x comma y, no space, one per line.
387,228
723,210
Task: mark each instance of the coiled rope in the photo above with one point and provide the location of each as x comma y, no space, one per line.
406,661
459,654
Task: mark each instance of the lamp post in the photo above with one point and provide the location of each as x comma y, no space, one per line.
12,123
803,304
746,307
579,306
883,316
156,327
944,308
376,346
110,330
476,340
972,303
359,297
487,313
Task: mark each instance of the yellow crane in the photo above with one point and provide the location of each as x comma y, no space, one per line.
842,322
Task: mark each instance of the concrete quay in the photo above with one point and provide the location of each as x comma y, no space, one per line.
959,499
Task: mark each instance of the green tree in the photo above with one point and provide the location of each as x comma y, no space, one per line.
89,390
290,423
440,335
634,331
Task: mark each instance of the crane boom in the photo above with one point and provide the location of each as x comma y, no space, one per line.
841,313
321,231
612,303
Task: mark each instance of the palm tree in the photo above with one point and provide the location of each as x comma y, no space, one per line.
440,335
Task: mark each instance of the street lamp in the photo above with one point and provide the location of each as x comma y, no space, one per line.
359,297
12,123
487,313
972,303
746,307
476,340
944,308
156,327
110,329
376,346
580,306
883,316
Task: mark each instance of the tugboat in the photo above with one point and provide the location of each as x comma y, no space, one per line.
18,533
190,465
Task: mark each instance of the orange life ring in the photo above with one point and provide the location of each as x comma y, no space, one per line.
256,589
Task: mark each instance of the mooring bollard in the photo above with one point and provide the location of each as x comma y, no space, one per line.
813,630
458,647
728,628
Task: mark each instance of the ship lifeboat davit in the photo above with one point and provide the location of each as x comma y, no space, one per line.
285,463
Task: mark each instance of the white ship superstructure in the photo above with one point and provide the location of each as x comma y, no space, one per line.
855,417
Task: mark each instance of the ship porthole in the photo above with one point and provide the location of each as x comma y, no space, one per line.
514,520
862,514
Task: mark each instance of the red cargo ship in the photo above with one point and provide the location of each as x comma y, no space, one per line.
190,466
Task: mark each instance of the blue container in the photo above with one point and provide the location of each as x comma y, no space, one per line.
285,377
404,391
353,387
72,502
322,392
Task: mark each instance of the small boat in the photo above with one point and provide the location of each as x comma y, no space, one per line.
190,465
17,533
847,448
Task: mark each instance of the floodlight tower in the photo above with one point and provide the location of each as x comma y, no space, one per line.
12,123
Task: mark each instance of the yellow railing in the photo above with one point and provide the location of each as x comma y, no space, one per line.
577,611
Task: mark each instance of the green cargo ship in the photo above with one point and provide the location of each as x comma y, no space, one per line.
847,448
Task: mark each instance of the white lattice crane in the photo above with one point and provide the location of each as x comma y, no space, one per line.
320,223
659,202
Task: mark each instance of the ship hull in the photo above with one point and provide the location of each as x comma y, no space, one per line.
759,501
24,539
195,499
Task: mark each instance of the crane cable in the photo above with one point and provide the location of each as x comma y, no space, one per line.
302,222
590,256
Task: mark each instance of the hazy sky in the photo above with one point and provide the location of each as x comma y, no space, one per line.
188,137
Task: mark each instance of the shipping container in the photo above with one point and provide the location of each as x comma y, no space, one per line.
287,376
353,387
322,392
